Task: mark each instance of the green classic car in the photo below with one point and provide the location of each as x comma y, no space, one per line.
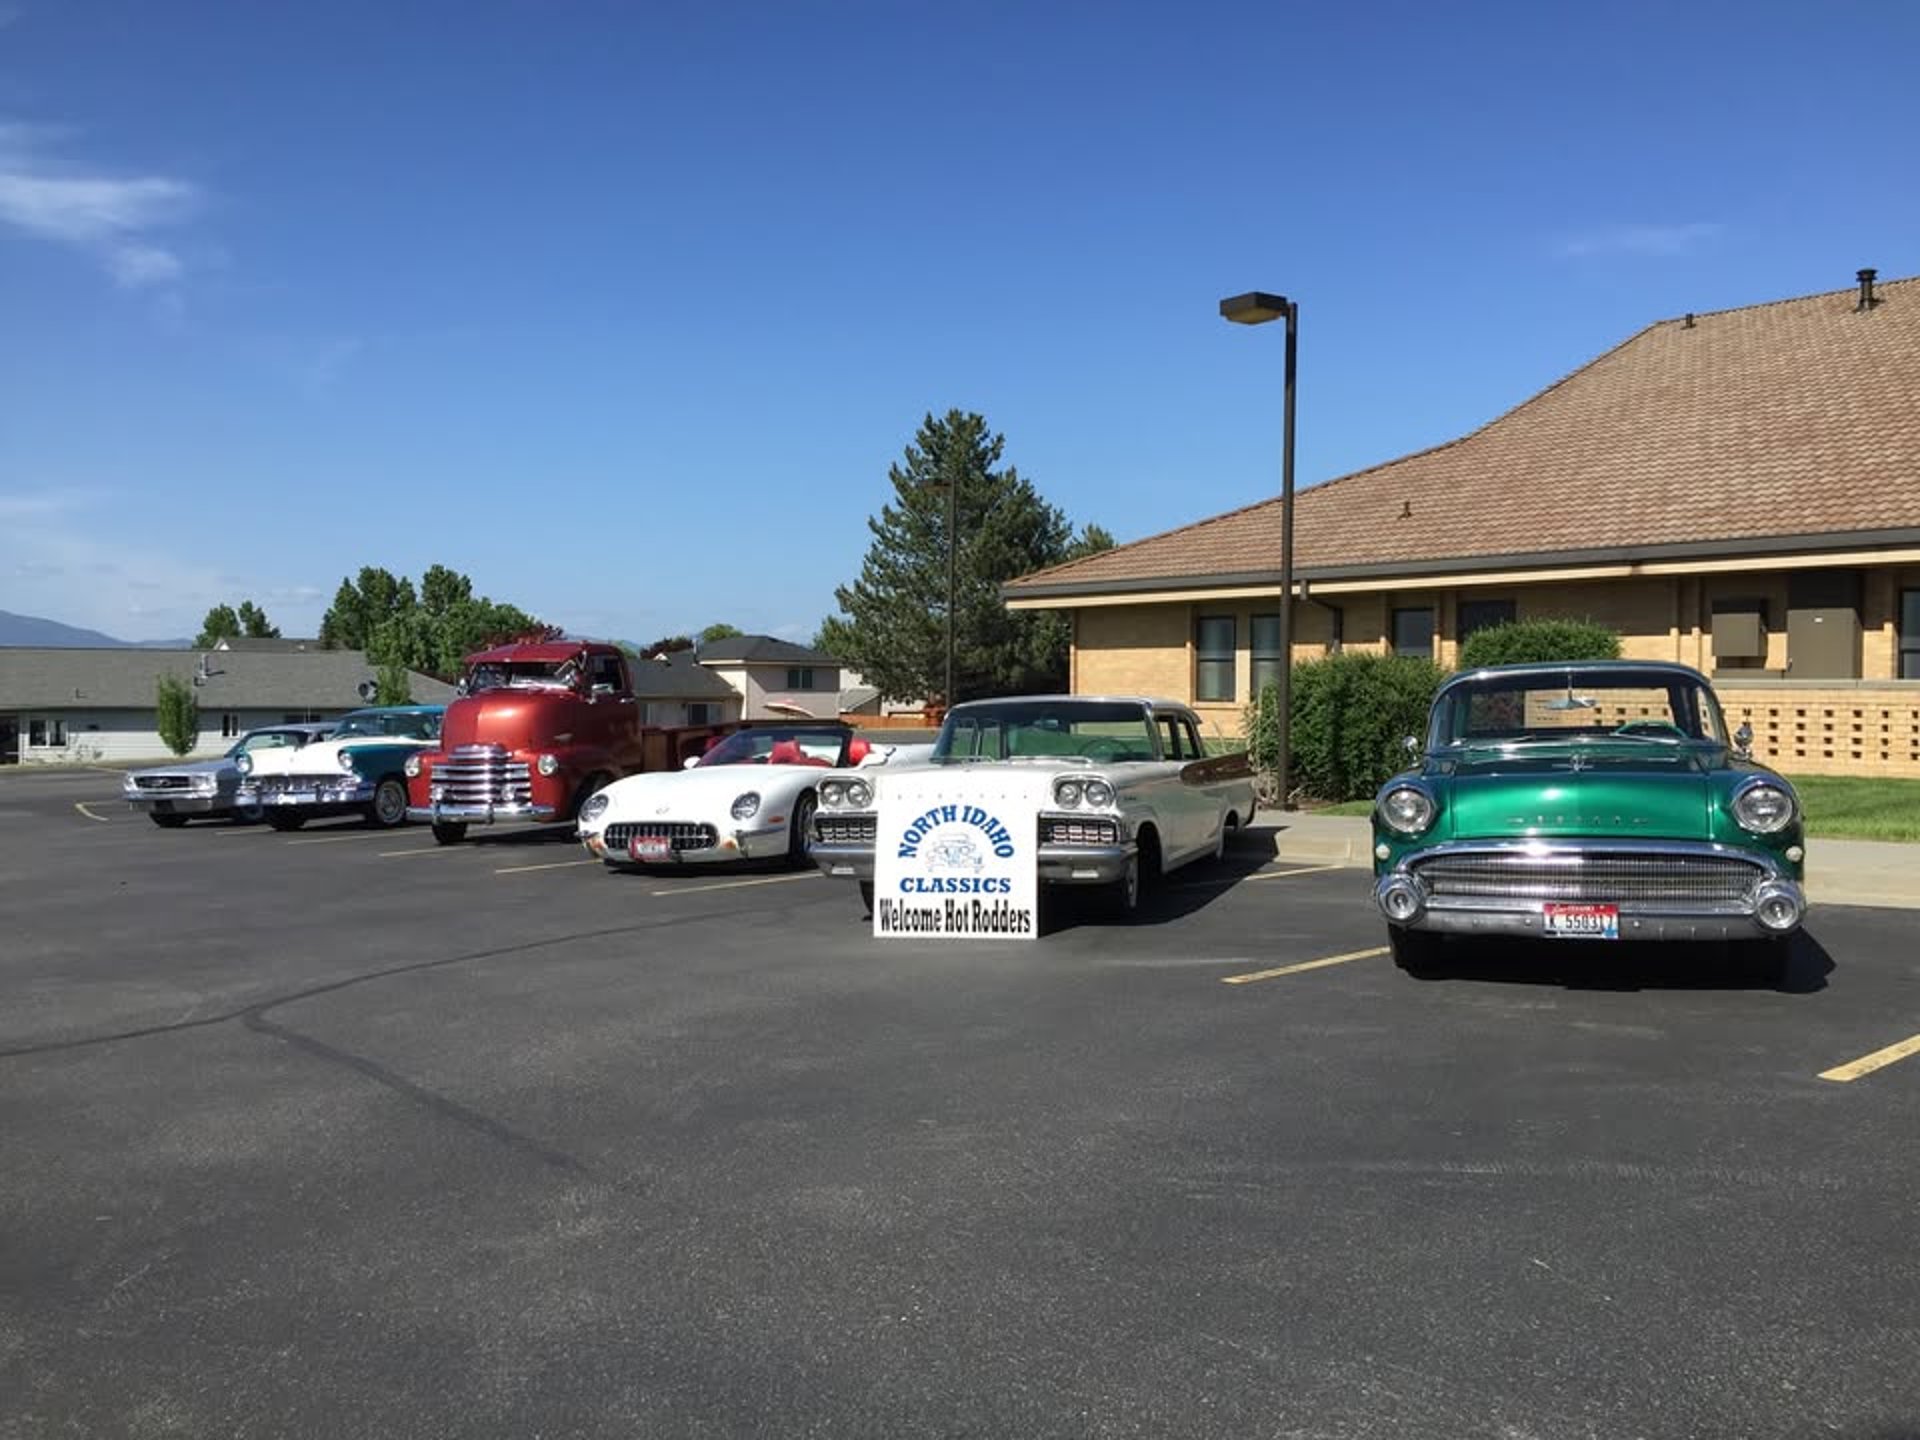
1597,800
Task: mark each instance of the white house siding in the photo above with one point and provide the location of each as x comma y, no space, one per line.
118,736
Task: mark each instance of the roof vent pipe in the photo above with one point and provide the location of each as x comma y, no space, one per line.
1867,298
1689,321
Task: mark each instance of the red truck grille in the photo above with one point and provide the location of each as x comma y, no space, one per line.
482,775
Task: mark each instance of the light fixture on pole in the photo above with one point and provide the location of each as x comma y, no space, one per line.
1256,308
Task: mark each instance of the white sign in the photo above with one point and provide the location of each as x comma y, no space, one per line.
954,860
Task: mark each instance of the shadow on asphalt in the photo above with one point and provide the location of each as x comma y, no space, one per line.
1625,965
1189,889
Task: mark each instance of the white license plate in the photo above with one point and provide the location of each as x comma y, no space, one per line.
1583,922
297,797
654,849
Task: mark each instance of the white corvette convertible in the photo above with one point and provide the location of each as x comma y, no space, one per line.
750,797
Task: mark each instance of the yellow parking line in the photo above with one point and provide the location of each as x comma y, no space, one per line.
1303,965
550,865
89,814
735,884
1289,874
1878,1060
419,850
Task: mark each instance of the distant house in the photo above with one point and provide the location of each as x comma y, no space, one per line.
775,678
676,689
64,705
865,701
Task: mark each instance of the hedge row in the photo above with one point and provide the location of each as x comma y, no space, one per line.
1353,712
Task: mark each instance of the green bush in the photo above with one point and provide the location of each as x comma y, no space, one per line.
1535,642
395,686
1352,714
177,713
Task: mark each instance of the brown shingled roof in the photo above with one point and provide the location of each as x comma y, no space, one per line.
1790,419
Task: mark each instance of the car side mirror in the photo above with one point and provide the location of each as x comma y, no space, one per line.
1743,738
1412,742
690,762
461,688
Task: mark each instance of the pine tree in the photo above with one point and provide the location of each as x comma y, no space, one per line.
893,621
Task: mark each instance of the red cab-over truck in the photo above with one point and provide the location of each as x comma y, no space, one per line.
537,728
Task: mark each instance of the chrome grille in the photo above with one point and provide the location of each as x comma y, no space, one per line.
320,784
163,782
1079,832
482,775
685,834
845,829
1590,878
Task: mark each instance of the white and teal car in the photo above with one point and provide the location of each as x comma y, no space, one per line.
171,795
360,768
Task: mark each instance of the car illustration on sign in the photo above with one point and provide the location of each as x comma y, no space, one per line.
1597,801
1117,790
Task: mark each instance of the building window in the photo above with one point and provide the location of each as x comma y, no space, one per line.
801,678
1336,629
1266,652
1910,634
1483,615
229,725
700,712
1413,632
1213,644
45,733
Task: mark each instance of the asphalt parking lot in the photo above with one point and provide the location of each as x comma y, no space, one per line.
339,1133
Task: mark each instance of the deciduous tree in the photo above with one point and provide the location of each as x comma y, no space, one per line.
177,715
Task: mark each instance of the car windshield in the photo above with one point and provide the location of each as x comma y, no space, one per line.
401,724
269,740
1577,706
524,675
780,745
1093,730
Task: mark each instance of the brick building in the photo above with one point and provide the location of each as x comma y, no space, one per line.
1738,491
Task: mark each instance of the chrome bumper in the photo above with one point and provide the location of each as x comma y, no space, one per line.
442,813
181,802
733,845
1405,900
312,796
1057,864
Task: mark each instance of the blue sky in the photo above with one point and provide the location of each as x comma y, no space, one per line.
624,309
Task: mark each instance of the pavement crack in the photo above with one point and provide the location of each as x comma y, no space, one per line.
310,992
431,1100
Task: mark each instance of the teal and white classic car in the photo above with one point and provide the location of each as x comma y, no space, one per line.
360,767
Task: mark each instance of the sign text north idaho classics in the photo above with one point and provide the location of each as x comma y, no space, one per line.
952,868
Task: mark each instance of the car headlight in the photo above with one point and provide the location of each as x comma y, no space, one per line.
346,761
859,794
549,764
745,807
1066,793
595,807
833,794
412,766
1097,792
206,784
1407,810
1763,807
243,762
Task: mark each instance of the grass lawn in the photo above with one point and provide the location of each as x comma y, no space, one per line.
1854,807
1840,806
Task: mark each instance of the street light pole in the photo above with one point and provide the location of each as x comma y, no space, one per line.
1257,308
953,551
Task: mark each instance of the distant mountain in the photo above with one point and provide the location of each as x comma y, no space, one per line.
32,630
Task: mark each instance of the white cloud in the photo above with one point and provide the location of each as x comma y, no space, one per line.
111,218
1656,240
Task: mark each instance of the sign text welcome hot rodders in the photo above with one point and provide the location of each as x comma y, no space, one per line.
955,861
